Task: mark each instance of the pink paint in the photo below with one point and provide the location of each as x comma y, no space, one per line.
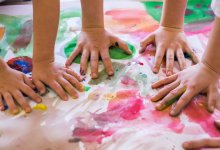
197,112
173,123
91,135
126,80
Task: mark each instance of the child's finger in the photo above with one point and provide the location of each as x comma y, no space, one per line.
10,102
58,89
68,87
181,59
72,73
160,51
73,55
2,107
30,93
171,98
28,82
21,101
74,82
169,61
191,54
107,62
212,98
203,143
84,61
164,81
94,62
40,87
164,91
182,102
121,44
145,42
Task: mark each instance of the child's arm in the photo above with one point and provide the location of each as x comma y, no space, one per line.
45,71
94,40
169,38
203,143
13,84
194,80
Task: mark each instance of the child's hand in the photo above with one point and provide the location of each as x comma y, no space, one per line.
169,42
182,87
13,85
93,43
60,79
203,143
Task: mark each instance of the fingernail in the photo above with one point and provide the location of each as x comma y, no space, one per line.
186,144
110,73
82,72
173,113
28,110
94,75
74,96
169,73
155,70
39,100
2,108
15,111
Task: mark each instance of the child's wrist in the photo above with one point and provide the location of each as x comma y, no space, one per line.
171,29
210,68
90,29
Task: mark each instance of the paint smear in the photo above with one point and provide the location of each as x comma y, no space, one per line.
22,64
41,107
197,112
2,32
90,135
87,88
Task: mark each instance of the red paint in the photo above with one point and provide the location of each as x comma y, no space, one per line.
91,135
140,63
197,112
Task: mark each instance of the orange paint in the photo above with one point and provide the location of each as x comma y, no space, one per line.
2,32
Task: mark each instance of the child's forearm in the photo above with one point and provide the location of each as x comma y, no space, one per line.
173,13
211,57
3,64
46,20
92,14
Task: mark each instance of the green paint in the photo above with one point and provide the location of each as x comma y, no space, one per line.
115,52
197,10
12,25
87,88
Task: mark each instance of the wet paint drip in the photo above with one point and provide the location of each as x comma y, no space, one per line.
90,135
41,107
197,112
22,64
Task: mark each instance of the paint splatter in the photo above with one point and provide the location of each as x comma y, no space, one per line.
41,107
126,80
23,64
91,135
25,36
87,88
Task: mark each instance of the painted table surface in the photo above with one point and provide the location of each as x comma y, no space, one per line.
113,113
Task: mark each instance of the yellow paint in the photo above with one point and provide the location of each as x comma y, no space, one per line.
40,107
110,96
